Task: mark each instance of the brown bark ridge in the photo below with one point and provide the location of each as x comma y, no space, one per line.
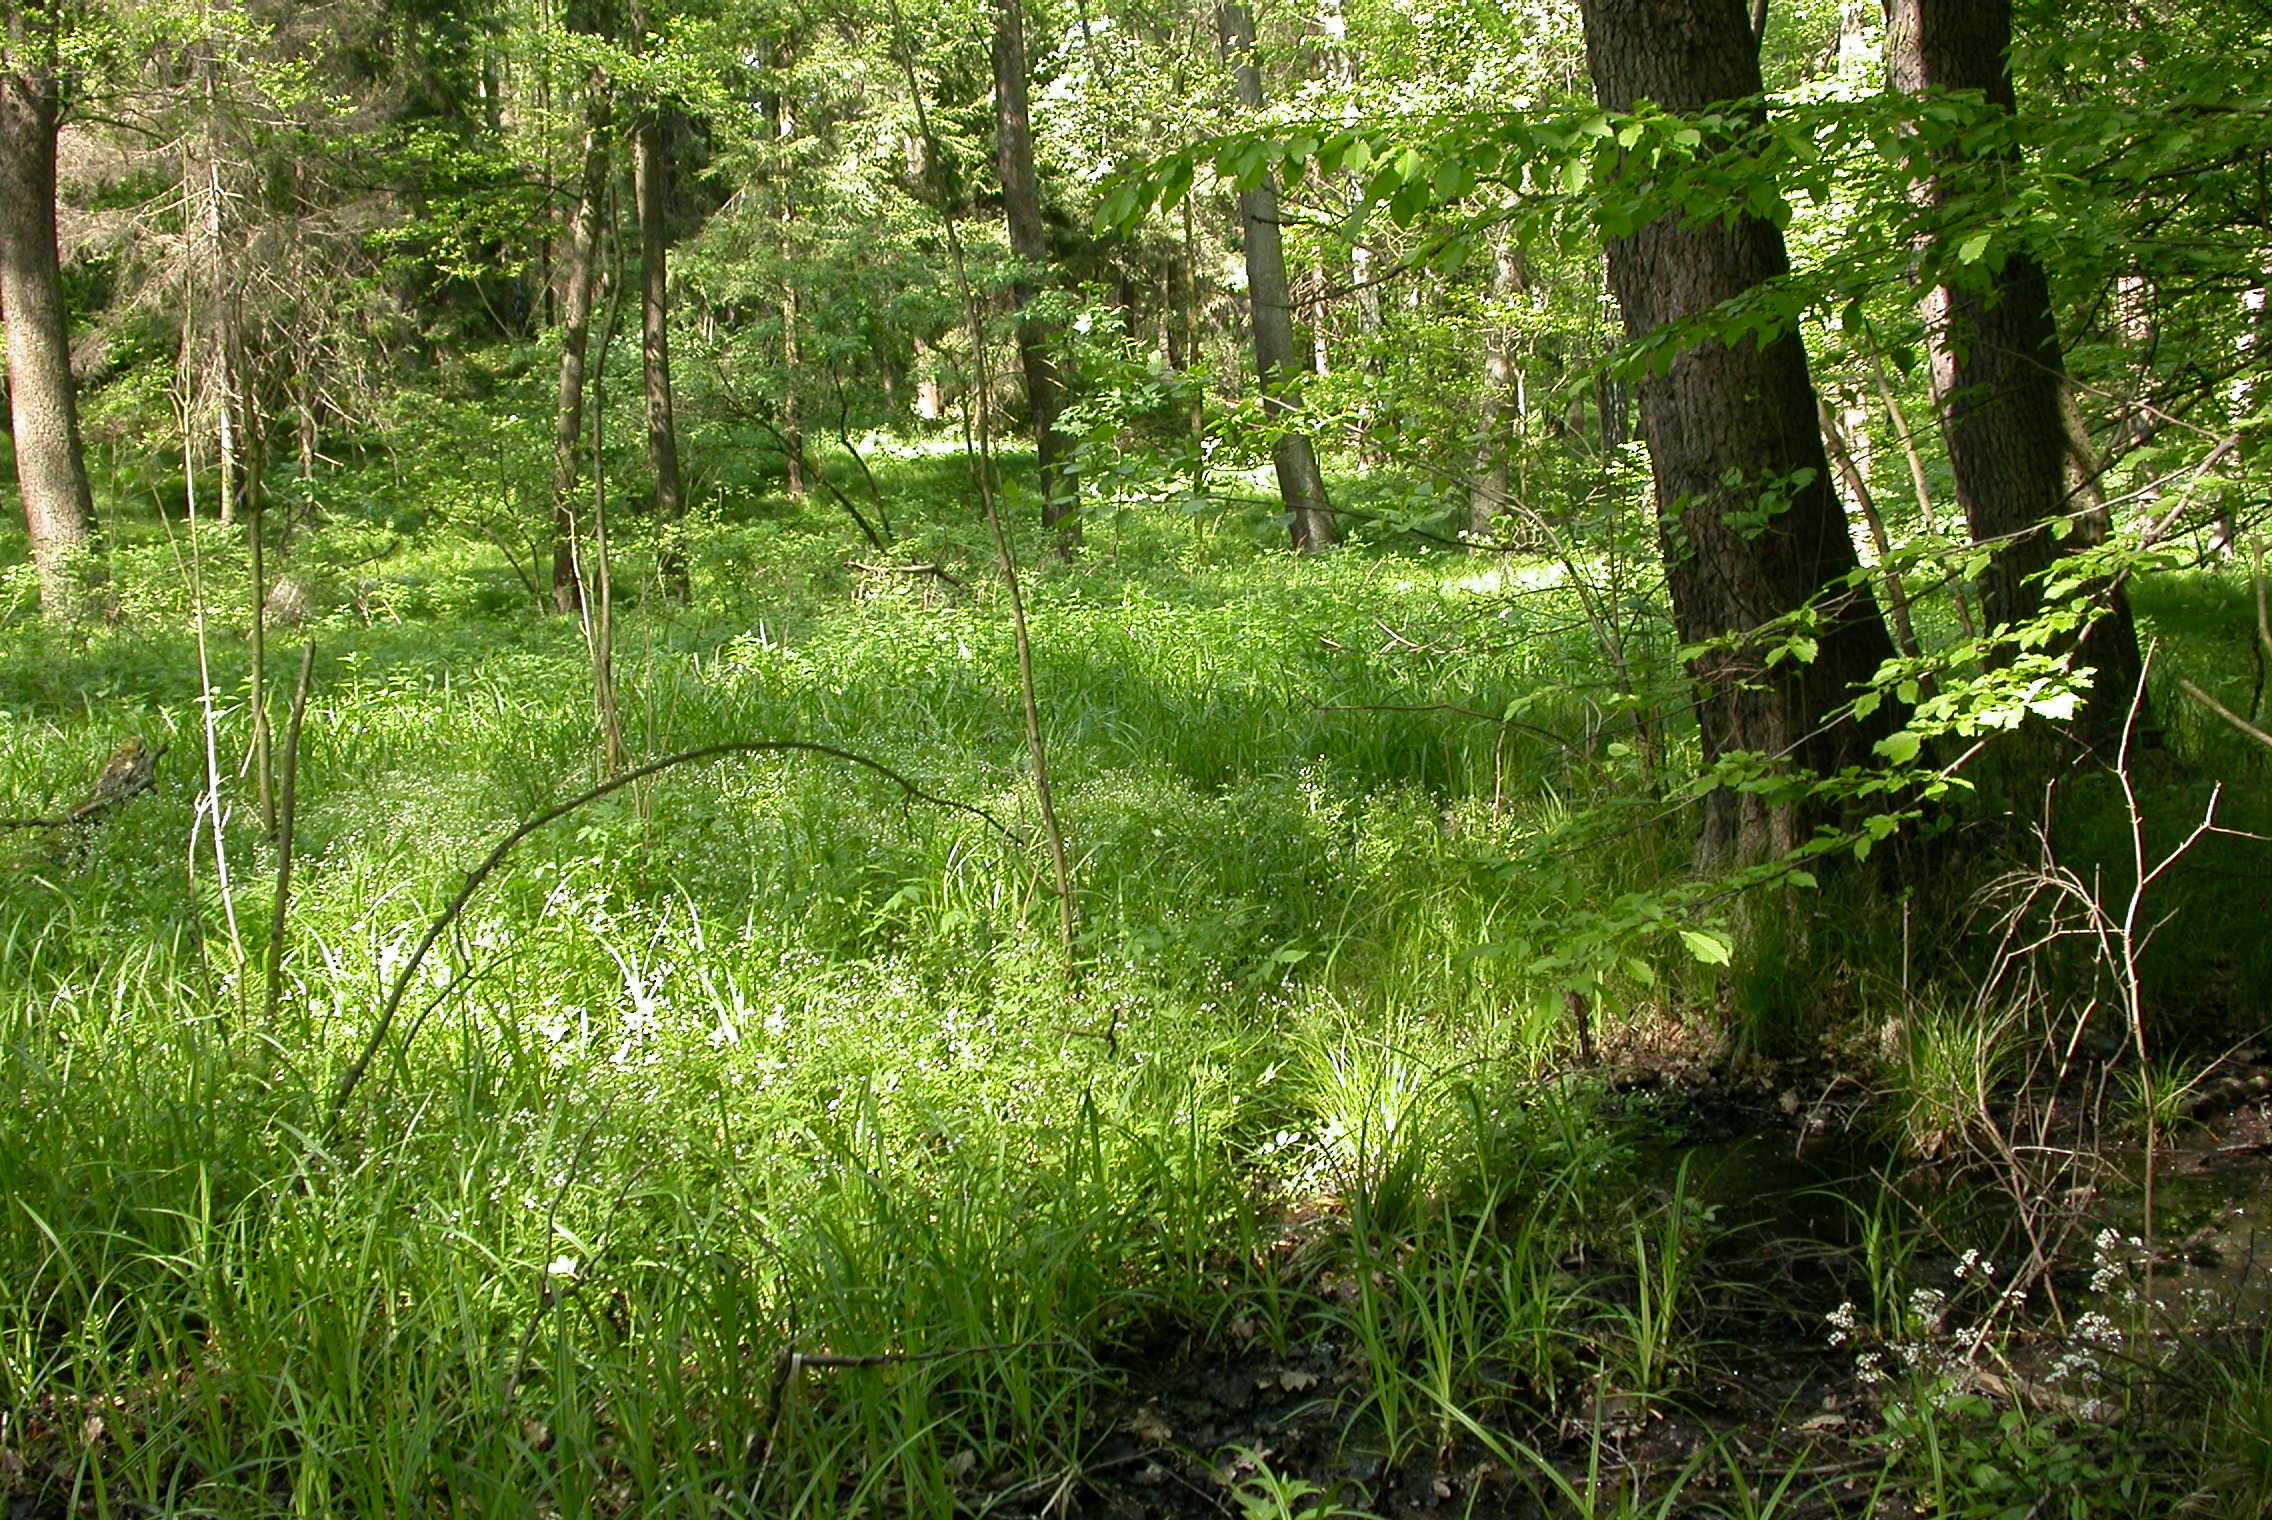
1731,429
1301,485
649,175
1997,371
582,259
51,470
1021,210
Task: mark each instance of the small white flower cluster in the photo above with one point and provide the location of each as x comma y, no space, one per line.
1919,1350
2112,1255
2082,1362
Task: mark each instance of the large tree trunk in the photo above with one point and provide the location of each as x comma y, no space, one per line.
582,258
1301,485
1021,209
649,176
1997,371
51,470
1731,429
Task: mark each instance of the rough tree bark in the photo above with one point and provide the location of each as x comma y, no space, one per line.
1021,209
650,175
582,258
51,469
1301,485
1997,370
1726,426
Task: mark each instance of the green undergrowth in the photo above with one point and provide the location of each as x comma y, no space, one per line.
746,1147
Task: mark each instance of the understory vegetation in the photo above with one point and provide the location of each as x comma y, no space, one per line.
742,1149
1349,760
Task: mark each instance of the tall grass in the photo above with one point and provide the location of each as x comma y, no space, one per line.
739,1152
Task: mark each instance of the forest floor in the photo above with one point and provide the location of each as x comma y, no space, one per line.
1771,1412
747,1146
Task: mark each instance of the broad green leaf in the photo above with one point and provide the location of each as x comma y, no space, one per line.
1900,748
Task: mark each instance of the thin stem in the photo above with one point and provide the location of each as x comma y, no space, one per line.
361,1065
287,812
979,441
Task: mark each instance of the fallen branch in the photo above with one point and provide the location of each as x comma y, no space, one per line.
361,1065
140,775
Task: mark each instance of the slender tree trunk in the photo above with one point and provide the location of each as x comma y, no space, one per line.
1301,484
1997,370
1730,428
1487,492
1921,486
792,355
582,257
51,470
1865,503
649,177
1021,208
1194,351
225,296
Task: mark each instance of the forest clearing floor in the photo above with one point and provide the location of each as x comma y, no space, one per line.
746,1146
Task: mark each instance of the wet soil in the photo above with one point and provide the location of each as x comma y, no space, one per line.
1788,1178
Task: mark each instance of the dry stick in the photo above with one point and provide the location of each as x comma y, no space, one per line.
356,1070
92,810
211,806
287,811
2131,942
1059,865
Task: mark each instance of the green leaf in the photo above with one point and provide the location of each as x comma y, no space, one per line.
1969,251
1117,209
1709,948
1900,748
2058,707
1453,179
1407,204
